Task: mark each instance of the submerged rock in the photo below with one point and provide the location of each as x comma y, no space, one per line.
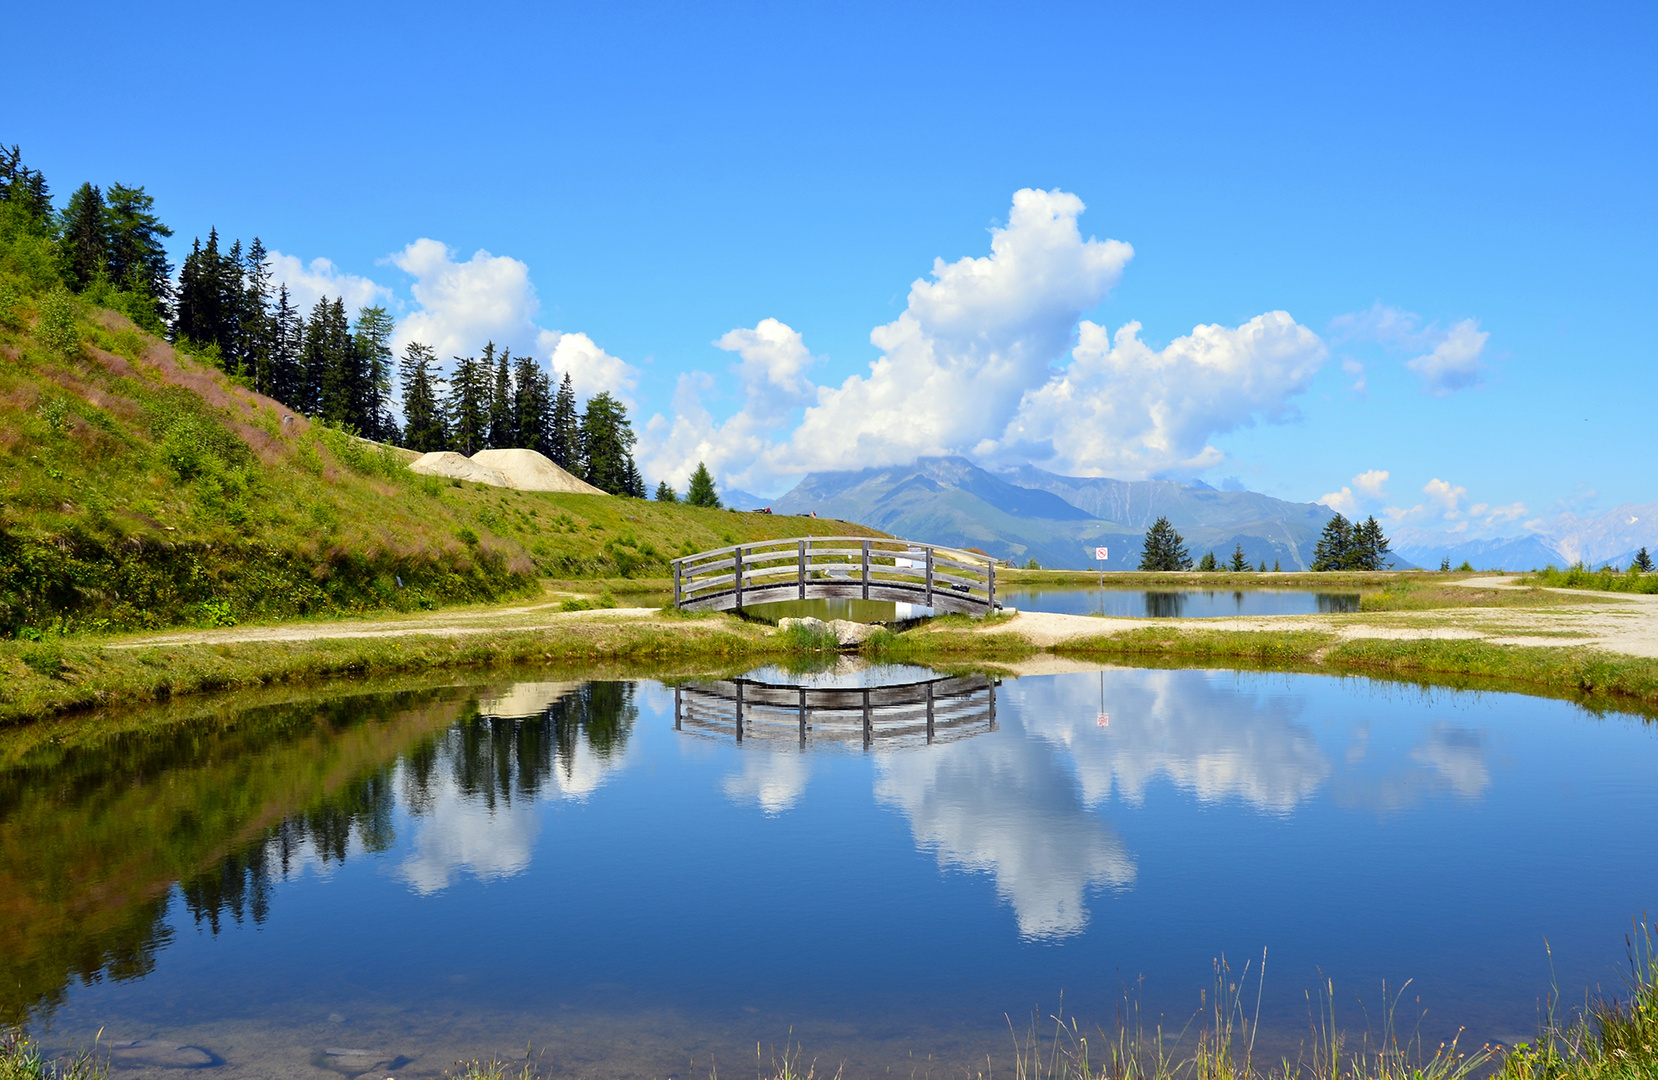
350,1062
162,1054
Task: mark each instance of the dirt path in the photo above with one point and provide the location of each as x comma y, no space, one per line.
1620,623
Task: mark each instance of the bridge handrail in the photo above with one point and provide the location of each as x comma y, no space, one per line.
884,564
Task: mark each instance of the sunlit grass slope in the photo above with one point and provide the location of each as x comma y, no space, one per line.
142,489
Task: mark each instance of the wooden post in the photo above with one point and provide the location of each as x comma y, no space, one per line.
803,718
866,574
676,583
929,712
869,722
802,558
929,575
992,704
739,711
676,704
737,568
991,610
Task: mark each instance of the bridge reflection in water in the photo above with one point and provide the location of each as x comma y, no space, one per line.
918,713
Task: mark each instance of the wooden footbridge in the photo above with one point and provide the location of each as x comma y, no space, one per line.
940,709
947,580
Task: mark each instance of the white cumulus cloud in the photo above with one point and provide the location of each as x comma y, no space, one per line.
1371,485
318,279
1446,360
1454,363
590,368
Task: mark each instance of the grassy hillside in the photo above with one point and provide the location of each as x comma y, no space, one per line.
142,489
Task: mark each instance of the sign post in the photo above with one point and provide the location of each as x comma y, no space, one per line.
1102,554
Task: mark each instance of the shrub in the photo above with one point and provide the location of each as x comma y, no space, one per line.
59,326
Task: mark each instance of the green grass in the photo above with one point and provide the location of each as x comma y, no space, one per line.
1335,581
1581,577
140,489
1407,594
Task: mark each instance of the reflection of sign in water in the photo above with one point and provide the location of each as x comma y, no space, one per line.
922,712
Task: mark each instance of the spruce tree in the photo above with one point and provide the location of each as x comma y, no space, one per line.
232,304
1643,561
700,491
1208,564
85,253
287,377
467,405
1369,546
531,406
607,445
24,194
423,422
1238,563
564,440
1262,568
256,327
501,434
1164,548
372,336
137,260
666,493
1334,545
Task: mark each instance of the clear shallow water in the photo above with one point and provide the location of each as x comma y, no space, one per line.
381,884
1176,604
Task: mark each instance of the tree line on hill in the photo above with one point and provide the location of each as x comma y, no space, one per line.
1344,545
107,246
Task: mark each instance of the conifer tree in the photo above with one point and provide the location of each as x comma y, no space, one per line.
232,304
1369,548
24,193
287,376
666,493
501,434
700,491
255,324
1643,561
333,365
607,445
1334,549
423,422
372,335
199,317
85,254
531,405
563,438
1238,563
1275,567
1164,548
137,261
1208,564
1262,568
467,405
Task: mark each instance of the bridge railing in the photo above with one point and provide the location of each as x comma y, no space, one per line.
847,567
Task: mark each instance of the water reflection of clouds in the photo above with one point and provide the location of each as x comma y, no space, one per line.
772,780
1009,806
462,834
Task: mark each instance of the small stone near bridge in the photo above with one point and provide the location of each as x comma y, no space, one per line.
846,632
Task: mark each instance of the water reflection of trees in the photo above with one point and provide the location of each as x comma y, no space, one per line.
1165,605
102,832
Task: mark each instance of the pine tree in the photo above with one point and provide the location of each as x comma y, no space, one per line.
564,440
372,336
500,399
24,194
232,301
467,405
607,445
1369,546
85,254
137,260
1275,568
423,422
1164,548
1238,563
334,366
199,317
531,406
1208,564
1643,561
1262,568
287,376
700,491
255,325
1334,545
666,493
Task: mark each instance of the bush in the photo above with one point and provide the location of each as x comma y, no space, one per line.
59,327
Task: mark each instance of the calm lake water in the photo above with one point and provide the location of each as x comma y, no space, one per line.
1177,604
379,884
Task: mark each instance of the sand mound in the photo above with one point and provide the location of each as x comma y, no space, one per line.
458,467
527,470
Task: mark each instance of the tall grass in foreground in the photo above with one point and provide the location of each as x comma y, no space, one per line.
1608,1039
21,1059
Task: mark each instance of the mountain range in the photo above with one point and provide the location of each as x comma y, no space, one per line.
1028,513
1611,538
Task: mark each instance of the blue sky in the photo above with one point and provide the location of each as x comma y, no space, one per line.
1452,206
